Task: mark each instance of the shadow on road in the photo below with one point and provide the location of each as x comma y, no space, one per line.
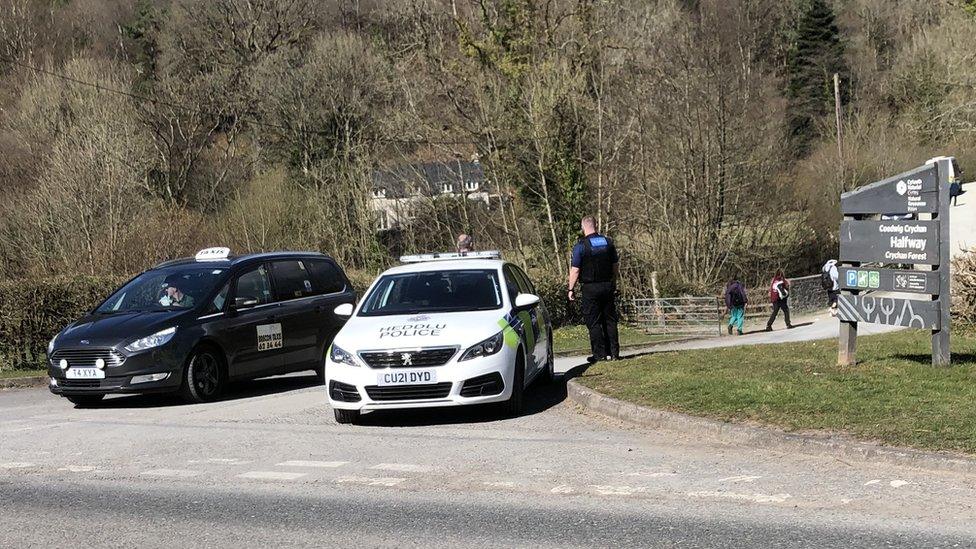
234,391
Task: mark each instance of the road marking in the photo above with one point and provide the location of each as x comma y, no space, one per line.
230,461
270,475
873,481
740,478
562,489
403,468
755,498
651,475
898,483
77,468
170,473
16,465
320,464
500,484
371,481
607,490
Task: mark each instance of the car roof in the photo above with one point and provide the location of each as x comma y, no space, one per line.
446,265
234,260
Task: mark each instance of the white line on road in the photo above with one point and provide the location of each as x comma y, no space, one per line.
229,461
562,489
403,468
271,475
898,483
182,473
77,468
740,478
16,465
500,484
755,498
872,481
371,481
319,464
606,490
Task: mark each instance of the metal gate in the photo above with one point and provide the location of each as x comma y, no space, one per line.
677,315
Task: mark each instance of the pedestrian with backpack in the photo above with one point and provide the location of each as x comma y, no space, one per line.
735,304
779,295
828,281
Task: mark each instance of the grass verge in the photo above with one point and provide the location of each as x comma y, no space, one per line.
10,374
573,339
893,395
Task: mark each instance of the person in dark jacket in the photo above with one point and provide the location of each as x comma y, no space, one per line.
595,263
779,295
735,304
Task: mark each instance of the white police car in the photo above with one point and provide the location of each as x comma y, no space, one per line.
440,330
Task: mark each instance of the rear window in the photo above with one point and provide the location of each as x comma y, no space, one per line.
433,292
292,279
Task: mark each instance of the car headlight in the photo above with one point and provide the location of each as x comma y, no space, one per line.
339,356
155,340
487,347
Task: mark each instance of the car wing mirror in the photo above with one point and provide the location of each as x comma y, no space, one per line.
344,310
524,301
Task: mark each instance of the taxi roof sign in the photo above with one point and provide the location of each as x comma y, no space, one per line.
447,256
212,254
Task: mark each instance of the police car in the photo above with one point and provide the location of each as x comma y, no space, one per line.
191,325
440,330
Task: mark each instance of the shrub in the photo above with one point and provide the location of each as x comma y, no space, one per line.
34,310
964,288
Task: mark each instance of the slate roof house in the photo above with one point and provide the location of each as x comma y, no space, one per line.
397,190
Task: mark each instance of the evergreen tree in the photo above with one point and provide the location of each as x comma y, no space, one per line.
816,54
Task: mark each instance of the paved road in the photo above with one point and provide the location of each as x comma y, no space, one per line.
269,466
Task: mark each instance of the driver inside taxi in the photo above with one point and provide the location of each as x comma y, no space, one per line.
173,295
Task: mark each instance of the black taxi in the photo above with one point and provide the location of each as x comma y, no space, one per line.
191,325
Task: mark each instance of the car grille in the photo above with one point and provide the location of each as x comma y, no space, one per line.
343,392
85,358
83,385
413,358
488,384
409,392
79,383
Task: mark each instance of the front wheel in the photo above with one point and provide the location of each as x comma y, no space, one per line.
204,377
514,404
83,401
346,416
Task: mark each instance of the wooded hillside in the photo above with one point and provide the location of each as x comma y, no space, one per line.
701,133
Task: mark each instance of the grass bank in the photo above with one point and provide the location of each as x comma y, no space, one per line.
893,395
11,373
574,339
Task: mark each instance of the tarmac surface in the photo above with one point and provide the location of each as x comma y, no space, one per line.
268,465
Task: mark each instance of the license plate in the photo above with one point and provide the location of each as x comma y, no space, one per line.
84,373
407,377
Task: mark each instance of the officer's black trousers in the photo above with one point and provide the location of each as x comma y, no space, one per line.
600,315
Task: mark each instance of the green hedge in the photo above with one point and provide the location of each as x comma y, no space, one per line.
33,310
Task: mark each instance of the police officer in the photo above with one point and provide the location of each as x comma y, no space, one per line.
596,265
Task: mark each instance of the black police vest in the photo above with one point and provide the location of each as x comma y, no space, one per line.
597,266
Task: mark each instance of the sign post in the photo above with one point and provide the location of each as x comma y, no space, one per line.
895,238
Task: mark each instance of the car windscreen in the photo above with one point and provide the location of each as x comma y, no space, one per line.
168,289
434,292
